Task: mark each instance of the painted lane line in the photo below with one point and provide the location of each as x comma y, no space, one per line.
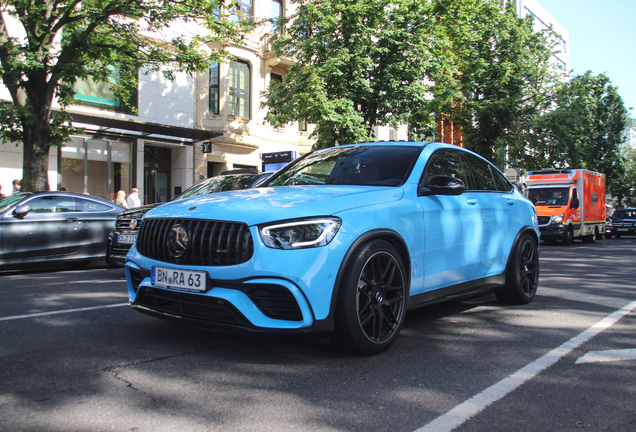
40,314
97,281
608,356
473,406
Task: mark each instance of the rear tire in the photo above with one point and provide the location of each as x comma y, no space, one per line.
522,273
371,302
617,236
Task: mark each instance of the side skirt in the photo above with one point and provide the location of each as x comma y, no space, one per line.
456,291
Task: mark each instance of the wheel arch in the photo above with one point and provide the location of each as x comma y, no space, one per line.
525,230
391,237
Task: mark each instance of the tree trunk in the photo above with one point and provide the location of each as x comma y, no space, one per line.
35,162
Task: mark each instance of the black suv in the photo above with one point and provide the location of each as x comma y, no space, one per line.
128,222
622,222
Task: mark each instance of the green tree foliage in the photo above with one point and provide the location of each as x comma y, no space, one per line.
63,41
584,129
625,189
500,76
359,64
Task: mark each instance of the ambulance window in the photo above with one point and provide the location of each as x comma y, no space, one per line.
575,199
594,198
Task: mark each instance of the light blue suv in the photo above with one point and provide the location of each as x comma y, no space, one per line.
343,241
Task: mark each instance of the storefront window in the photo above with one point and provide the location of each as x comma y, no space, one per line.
72,166
98,167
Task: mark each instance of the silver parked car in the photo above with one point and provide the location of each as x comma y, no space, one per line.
54,226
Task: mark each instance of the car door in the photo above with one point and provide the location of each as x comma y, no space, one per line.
497,206
452,226
98,220
50,228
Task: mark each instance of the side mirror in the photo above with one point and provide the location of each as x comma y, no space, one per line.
444,185
21,211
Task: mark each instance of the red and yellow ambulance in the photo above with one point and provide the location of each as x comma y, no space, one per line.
570,203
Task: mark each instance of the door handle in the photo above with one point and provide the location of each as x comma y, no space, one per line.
472,201
510,202
72,220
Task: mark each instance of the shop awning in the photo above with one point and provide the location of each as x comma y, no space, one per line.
116,126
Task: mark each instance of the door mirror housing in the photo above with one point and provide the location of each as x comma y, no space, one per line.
21,211
443,185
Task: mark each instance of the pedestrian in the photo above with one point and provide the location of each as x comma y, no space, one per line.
17,184
133,198
121,199
2,196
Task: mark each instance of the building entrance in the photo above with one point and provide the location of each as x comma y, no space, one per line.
156,175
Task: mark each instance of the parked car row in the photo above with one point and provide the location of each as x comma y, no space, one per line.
54,226
63,226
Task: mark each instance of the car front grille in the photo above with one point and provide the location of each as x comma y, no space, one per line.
544,220
210,243
120,249
123,223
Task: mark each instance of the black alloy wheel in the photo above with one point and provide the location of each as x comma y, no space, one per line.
372,300
522,274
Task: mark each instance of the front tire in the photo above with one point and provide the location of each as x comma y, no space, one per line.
371,302
569,237
522,273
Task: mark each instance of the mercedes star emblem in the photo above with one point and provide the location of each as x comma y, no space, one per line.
178,241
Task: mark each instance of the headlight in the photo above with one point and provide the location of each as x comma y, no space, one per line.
305,233
558,219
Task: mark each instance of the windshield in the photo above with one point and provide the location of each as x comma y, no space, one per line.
549,196
360,165
219,184
12,199
624,214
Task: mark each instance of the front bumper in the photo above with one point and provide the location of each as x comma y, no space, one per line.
553,231
276,291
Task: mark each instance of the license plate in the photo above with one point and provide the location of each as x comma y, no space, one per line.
622,229
126,238
184,280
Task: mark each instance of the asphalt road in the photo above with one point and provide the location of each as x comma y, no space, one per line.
74,357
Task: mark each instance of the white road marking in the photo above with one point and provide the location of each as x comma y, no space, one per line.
473,406
97,281
40,314
608,356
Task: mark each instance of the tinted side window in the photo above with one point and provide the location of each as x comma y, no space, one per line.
445,162
503,184
481,176
91,206
52,204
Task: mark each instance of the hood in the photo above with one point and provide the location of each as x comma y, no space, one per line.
262,205
137,212
551,210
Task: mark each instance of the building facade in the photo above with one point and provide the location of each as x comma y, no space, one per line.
186,130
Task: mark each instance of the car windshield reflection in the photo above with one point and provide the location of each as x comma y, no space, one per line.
361,165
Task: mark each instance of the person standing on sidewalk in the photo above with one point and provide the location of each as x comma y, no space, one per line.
121,199
16,187
133,198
